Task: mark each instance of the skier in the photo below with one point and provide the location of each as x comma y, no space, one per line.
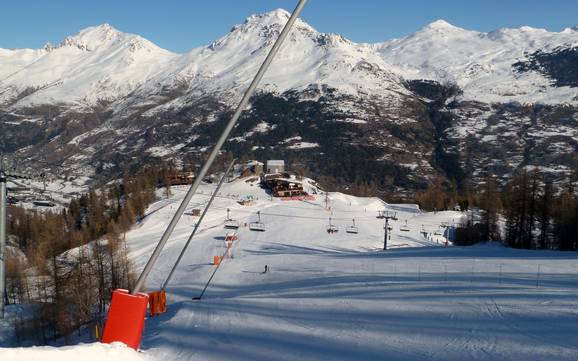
266,269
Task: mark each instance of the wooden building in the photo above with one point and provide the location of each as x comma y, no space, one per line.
283,185
181,178
252,168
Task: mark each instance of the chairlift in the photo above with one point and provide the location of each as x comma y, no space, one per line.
405,227
332,228
257,226
353,228
423,231
231,223
380,214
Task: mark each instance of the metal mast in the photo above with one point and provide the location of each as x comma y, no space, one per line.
387,215
156,253
2,240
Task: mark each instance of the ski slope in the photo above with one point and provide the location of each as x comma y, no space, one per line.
86,352
339,297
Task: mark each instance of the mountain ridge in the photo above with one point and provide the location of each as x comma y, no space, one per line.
433,104
404,57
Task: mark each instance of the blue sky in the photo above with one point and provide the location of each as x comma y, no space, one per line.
180,25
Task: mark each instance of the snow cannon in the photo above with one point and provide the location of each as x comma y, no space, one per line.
127,312
126,318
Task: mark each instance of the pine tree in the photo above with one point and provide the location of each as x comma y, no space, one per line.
545,215
490,205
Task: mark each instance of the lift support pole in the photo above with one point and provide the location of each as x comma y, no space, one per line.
2,241
242,105
164,287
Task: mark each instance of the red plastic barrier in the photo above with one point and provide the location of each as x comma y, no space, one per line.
125,319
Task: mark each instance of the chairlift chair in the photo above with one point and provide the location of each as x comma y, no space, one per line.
332,228
423,231
353,228
231,223
405,227
257,226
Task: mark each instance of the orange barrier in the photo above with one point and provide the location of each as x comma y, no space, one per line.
157,303
125,318
229,238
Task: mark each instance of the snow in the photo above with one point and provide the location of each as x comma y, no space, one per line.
87,352
60,191
158,151
339,296
101,63
480,63
303,145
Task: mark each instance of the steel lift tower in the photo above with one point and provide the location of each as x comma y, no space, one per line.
3,204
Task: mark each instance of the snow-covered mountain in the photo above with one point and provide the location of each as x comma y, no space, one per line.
102,64
398,112
483,64
98,64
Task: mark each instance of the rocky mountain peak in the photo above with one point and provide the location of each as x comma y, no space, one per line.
92,38
275,19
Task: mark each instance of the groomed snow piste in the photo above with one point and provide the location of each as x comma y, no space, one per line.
339,296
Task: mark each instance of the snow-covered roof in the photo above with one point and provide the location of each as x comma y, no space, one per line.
275,162
254,162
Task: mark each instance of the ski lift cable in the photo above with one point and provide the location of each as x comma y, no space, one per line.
295,216
242,105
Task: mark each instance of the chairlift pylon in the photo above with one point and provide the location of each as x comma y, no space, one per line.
231,223
353,228
331,228
257,226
